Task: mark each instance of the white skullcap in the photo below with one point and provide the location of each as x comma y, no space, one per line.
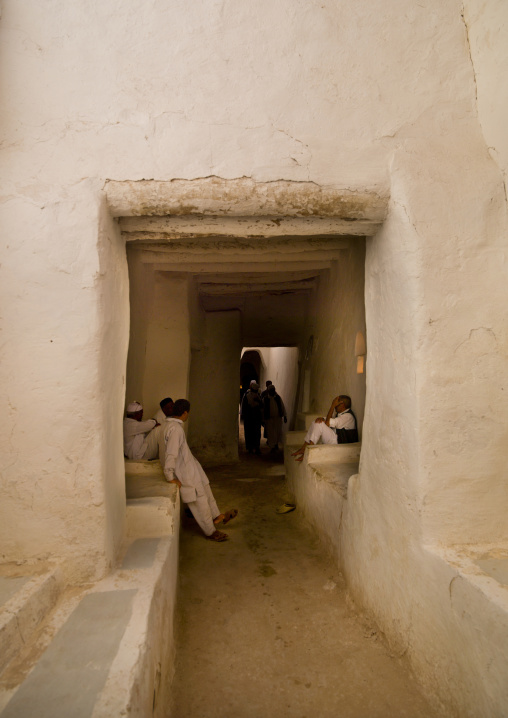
133,407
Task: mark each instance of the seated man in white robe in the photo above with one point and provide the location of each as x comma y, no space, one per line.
140,438
180,467
339,430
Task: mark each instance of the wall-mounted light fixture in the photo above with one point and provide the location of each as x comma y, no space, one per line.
360,352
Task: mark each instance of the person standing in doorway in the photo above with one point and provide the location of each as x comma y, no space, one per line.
268,384
251,415
273,411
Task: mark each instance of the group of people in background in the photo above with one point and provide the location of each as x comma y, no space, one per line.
163,437
262,409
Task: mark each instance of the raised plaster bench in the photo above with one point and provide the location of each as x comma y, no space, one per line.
318,484
469,608
149,513
107,649
104,649
27,594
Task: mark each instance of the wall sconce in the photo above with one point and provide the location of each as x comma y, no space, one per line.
360,353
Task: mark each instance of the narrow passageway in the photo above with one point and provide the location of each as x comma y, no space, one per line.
264,627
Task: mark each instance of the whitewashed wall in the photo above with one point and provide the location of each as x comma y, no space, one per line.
336,316
213,386
281,367
337,93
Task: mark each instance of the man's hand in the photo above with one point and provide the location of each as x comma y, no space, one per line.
320,420
336,401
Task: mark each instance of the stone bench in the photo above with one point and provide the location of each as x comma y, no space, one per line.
318,484
26,597
103,649
152,502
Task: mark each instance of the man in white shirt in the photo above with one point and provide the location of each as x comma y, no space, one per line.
166,409
140,438
339,430
180,467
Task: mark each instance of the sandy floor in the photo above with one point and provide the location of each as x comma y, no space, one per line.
264,626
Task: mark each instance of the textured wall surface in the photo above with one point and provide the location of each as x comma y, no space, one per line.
408,102
336,315
214,371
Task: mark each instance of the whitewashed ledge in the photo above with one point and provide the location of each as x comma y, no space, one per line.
318,484
104,649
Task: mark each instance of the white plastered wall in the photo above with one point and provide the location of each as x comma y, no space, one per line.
351,85
280,365
167,342
337,315
432,467
63,489
213,422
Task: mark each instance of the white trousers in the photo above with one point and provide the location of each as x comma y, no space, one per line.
204,509
321,431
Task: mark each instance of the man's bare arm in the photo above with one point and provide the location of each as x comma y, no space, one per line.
332,408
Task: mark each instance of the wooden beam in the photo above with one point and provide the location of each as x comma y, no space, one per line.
158,257
242,197
239,267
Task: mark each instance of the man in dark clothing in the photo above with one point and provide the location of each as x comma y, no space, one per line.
251,416
273,412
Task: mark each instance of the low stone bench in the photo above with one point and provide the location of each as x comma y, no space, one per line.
25,599
102,649
318,484
152,503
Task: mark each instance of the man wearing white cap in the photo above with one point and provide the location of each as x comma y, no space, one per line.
140,439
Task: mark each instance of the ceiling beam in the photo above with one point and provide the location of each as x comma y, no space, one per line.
210,290
243,197
239,267
259,277
235,244
157,257
202,226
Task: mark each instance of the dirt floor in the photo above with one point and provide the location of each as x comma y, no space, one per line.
264,626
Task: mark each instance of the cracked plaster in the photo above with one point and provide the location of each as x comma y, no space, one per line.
380,104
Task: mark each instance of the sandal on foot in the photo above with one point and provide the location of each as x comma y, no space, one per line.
231,514
285,508
218,536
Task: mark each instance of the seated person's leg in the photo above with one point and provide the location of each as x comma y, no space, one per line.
317,431
326,434
153,440
201,512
